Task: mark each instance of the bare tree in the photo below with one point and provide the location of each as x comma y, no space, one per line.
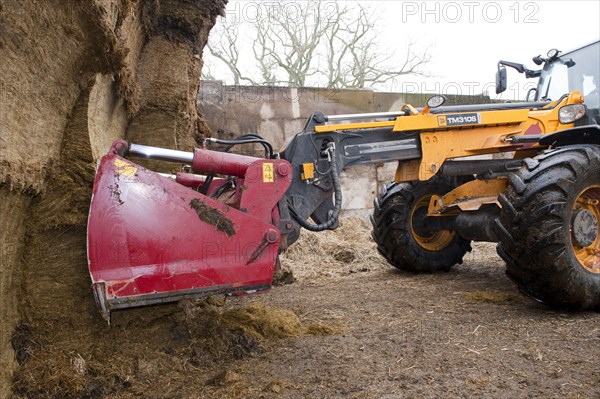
225,47
311,43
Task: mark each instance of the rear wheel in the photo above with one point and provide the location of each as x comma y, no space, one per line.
548,227
400,236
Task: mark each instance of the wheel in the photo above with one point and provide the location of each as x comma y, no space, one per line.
548,227
399,235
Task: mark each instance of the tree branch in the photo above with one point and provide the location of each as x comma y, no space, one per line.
339,49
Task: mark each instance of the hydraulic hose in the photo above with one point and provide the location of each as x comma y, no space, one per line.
246,139
337,189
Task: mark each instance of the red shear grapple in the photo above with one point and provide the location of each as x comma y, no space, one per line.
152,239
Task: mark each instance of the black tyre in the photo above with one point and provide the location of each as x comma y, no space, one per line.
396,231
548,227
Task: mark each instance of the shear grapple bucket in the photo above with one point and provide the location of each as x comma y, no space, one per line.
156,238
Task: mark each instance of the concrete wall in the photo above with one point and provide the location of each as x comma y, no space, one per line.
278,113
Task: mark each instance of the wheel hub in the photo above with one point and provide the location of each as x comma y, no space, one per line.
585,234
428,239
584,227
419,224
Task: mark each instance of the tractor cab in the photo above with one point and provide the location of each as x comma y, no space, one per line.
561,74
576,70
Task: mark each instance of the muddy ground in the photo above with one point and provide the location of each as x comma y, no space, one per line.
350,326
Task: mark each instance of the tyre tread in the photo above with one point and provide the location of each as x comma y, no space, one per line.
531,228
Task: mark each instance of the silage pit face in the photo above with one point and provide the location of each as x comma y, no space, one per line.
23,342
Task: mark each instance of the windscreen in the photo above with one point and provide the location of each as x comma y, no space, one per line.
557,79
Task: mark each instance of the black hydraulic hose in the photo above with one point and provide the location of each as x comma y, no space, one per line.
264,143
245,136
249,136
246,139
206,185
228,184
337,189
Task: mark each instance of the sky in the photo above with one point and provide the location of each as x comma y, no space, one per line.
468,38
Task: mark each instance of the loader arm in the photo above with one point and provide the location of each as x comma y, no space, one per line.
426,142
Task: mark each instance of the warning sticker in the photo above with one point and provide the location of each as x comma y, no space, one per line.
268,176
124,168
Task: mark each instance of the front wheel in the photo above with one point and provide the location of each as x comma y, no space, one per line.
548,227
400,237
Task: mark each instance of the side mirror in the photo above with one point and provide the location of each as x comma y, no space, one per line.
501,80
538,60
569,63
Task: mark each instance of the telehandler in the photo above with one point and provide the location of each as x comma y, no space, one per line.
217,224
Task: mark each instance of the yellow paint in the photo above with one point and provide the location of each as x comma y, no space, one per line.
268,175
489,137
308,171
125,168
438,122
438,240
440,142
352,126
468,197
407,171
411,110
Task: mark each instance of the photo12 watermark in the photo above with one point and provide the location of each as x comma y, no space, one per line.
214,91
517,91
454,12
252,12
411,11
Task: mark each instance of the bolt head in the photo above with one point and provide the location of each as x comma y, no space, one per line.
271,236
283,170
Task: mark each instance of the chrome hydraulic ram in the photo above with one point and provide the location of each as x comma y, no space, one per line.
373,115
162,154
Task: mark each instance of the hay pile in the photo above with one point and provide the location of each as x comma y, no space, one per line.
158,351
238,331
346,250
